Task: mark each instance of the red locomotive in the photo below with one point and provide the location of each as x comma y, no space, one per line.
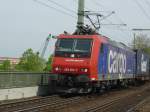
75,59
87,61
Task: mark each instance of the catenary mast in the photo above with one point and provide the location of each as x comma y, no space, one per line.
80,21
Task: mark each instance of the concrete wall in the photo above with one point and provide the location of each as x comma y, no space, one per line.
17,93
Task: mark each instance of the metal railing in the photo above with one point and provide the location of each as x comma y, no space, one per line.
22,79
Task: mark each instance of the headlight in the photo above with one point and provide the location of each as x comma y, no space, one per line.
84,70
57,68
93,79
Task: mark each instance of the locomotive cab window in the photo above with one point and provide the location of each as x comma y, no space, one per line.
79,47
64,44
83,45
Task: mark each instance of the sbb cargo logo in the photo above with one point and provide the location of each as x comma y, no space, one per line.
116,62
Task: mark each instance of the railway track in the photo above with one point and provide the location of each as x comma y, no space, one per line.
139,106
51,103
58,104
51,107
6,107
103,106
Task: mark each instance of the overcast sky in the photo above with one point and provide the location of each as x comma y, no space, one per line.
26,23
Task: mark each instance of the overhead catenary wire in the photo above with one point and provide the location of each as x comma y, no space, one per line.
116,16
59,5
103,11
86,8
60,11
119,19
147,2
120,34
56,9
111,23
97,4
142,9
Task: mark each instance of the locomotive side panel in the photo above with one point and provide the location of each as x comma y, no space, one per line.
115,63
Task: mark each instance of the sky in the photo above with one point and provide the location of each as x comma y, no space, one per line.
26,23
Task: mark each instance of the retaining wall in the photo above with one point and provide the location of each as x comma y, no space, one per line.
17,93
16,85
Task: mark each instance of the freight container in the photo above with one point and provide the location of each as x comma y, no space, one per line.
142,63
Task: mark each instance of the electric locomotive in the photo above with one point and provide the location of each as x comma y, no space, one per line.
86,61
75,61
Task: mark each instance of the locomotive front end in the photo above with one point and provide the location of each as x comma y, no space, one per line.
72,61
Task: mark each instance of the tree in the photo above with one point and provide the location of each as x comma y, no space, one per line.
31,61
1,67
6,65
141,42
48,64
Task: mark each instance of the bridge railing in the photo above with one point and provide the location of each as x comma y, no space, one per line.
22,79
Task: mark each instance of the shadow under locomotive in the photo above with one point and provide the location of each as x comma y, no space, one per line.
69,84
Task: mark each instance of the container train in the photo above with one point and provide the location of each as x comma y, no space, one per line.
90,63
86,61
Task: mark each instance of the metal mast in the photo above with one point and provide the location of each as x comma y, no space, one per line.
80,21
46,44
82,29
45,47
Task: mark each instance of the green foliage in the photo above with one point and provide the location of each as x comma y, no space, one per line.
141,42
6,65
31,61
48,64
1,67
147,50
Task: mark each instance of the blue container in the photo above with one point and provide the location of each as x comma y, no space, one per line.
117,61
142,61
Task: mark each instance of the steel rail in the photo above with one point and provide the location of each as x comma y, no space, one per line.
53,106
18,104
111,101
135,108
103,106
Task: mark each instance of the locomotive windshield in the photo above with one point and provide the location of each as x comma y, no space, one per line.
65,45
79,47
83,45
